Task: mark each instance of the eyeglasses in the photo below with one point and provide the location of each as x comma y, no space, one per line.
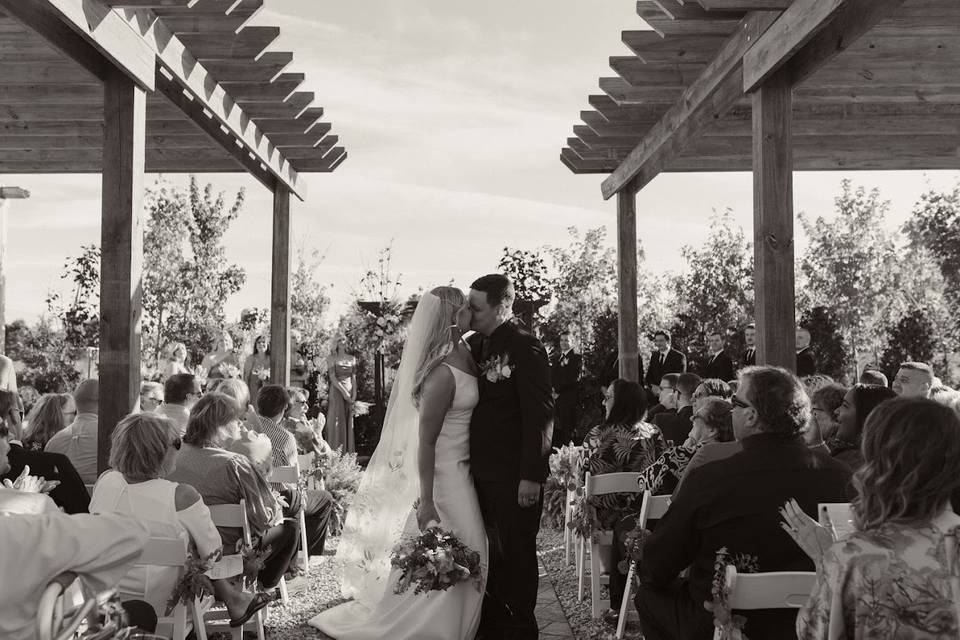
737,402
4,431
176,444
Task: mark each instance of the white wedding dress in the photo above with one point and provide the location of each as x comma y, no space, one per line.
453,614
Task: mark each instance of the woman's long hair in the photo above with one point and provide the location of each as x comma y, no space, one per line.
46,419
439,344
867,397
629,403
256,340
911,452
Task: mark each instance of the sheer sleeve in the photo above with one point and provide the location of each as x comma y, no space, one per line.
821,618
196,520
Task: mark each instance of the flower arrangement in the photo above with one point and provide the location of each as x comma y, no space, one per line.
730,625
230,371
564,476
201,375
435,560
263,373
194,583
361,408
341,475
633,541
497,368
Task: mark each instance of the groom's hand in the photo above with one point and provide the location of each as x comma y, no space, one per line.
528,493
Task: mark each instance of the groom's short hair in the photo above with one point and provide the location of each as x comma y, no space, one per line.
498,288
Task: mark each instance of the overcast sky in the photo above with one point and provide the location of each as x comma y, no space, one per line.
453,114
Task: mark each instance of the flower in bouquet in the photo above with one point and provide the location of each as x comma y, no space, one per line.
263,373
435,560
200,374
497,368
360,408
230,371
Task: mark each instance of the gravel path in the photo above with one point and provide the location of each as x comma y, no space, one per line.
321,590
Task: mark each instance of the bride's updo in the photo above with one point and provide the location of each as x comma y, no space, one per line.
438,344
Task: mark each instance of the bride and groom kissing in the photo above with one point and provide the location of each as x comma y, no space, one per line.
467,435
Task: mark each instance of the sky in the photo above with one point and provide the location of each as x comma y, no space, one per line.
453,115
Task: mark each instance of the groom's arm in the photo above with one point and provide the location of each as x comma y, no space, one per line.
536,410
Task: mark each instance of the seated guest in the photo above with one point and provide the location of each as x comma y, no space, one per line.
624,402
223,477
666,397
180,392
872,376
813,382
50,415
733,503
79,440
806,360
852,414
151,395
711,439
891,578
62,482
663,360
272,403
238,390
719,364
308,433
711,424
825,402
914,380
712,387
21,494
143,452
676,426
38,548
943,394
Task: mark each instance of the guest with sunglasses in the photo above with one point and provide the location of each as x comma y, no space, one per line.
143,452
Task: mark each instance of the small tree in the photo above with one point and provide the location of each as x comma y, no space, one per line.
79,312
826,342
41,349
308,303
913,338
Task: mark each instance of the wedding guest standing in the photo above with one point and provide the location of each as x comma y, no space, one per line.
663,360
176,360
914,380
342,371
216,362
719,364
806,361
566,390
749,357
256,369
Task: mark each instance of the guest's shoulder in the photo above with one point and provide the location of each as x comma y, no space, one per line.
57,441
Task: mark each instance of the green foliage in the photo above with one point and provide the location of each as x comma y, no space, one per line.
528,273
935,225
308,304
41,348
80,312
826,342
913,338
341,477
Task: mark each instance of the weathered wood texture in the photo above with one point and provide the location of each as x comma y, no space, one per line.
280,289
627,285
773,224
121,243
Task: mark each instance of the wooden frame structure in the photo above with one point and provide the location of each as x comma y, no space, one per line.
124,87
773,86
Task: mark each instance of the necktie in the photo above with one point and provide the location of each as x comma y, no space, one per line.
484,348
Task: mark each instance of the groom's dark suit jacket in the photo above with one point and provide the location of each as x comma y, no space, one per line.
512,425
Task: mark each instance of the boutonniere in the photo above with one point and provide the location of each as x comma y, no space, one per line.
497,368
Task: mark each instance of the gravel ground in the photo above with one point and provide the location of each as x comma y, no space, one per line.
321,590
564,578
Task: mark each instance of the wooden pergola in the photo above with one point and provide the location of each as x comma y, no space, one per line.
772,86
126,87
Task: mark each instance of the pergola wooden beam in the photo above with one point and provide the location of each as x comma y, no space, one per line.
629,365
743,5
652,48
280,289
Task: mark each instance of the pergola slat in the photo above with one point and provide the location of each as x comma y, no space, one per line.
264,69
280,89
652,48
248,43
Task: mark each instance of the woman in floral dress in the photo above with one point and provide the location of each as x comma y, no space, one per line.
897,576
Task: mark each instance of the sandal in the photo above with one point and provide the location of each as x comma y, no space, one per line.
259,601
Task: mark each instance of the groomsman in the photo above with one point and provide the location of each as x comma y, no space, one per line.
806,361
719,364
749,357
663,360
567,369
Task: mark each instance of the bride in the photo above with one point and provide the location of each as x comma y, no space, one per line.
424,453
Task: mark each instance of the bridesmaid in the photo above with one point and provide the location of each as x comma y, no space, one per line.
342,370
255,364
215,362
176,360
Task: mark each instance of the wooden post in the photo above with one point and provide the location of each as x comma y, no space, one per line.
6,194
627,284
280,289
773,223
121,263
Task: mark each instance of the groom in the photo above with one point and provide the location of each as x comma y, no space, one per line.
510,436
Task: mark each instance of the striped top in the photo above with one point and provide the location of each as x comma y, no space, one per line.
283,445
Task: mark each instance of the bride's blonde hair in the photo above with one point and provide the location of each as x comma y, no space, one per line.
439,344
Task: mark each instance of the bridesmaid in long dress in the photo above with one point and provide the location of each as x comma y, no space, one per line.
215,362
257,363
341,368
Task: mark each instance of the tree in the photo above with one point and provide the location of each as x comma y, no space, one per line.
47,363
935,226
826,341
851,266
911,339
308,303
715,292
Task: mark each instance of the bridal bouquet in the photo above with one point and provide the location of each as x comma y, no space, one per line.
263,373
434,561
229,371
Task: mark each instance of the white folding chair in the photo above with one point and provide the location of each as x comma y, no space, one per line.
598,485
57,619
291,475
233,515
172,552
568,537
772,590
652,508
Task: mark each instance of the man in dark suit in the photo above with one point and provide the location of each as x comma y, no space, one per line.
806,361
734,503
749,357
663,360
719,364
510,435
70,494
676,425
566,373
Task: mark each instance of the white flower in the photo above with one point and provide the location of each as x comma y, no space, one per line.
506,371
491,375
381,322
378,333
